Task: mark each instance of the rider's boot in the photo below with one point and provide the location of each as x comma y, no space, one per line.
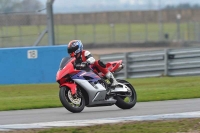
112,79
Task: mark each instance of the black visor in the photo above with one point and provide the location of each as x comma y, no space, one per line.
72,49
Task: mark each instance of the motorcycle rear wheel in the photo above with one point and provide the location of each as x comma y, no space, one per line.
126,102
73,103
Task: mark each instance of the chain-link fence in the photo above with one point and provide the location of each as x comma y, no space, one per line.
23,29
128,33
129,27
21,21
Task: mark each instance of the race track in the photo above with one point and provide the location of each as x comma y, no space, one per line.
61,114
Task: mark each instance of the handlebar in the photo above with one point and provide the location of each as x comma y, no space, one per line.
82,65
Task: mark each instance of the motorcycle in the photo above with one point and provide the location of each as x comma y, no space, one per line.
81,85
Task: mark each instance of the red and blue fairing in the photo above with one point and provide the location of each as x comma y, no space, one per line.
64,72
67,73
89,76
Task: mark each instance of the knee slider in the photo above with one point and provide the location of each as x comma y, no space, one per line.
101,64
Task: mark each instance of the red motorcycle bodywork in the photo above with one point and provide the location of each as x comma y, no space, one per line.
113,66
63,74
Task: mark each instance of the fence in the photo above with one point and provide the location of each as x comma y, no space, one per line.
23,29
16,29
168,62
117,17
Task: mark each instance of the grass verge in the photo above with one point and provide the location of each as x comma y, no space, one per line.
161,126
166,126
16,97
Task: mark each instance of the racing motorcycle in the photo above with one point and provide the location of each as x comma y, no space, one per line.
81,85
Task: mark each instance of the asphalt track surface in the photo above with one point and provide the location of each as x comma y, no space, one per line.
61,114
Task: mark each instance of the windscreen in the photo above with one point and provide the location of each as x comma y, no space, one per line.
64,61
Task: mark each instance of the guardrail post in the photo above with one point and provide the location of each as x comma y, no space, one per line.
126,65
166,62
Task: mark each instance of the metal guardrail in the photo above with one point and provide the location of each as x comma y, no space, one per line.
184,62
168,62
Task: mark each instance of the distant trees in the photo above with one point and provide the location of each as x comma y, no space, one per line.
31,5
19,5
196,6
183,6
6,5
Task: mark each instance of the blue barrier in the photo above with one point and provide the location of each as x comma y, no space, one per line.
30,65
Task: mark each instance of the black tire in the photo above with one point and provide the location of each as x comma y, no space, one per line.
121,103
68,104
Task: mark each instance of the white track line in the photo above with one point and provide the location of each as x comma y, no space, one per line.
99,121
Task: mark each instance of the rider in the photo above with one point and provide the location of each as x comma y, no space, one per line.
75,49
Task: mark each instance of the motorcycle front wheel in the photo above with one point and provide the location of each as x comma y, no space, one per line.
126,102
74,103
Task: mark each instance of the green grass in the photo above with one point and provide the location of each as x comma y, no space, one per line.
167,88
100,33
166,126
15,97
